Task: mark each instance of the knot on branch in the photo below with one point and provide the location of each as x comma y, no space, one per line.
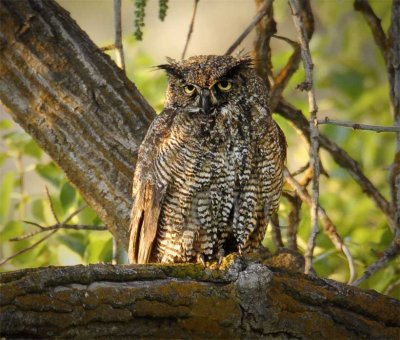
304,86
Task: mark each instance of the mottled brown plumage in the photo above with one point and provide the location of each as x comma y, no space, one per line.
209,172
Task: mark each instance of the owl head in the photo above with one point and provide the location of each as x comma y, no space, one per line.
204,83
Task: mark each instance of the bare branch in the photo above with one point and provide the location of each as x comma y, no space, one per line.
341,157
328,226
286,73
314,145
358,126
51,205
276,230
293,220
393,69
27,248
374,24
189,35
390,252
391,287
57,226
54,229
265,29
261,13
119,49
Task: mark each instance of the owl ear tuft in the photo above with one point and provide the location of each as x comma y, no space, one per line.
242,64
171,68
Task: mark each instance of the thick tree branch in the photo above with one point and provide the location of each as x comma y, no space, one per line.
76,103
249,300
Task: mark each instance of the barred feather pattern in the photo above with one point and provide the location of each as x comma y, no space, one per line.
219,174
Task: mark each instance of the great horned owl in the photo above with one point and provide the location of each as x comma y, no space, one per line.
209,171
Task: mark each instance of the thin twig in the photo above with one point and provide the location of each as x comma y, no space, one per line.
285,74
120,61
119,49
389,253
261,13
358,126
53,212
374,24
341,157
189,35
391,287
276,231
393,70
314,145
265,29
293,220
27,248
328,226
43,229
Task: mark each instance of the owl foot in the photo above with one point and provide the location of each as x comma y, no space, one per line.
202,260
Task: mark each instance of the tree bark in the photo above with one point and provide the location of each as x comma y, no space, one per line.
245,300
76,103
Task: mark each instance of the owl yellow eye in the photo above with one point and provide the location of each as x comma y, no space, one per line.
224,85
189,89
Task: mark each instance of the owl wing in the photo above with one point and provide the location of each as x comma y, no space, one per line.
147,191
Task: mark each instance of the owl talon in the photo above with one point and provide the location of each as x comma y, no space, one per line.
201,259
220,256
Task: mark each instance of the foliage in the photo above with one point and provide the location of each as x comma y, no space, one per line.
140,12
351,85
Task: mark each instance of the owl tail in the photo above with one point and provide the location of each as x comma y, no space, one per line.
144,220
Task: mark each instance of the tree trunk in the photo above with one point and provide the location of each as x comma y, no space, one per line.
246,300
76,103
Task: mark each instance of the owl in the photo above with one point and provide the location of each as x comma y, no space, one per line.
209,171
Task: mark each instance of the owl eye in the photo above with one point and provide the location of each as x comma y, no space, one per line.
224,85
189,89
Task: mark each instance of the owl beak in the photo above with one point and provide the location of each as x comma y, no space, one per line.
205,100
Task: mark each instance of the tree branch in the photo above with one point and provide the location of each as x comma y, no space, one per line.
246,300
374,24
392,251
303,37
261,13
341,157
189,35
119,48
76,103
329,227
358,126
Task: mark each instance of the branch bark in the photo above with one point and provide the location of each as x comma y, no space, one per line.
249,300
77,104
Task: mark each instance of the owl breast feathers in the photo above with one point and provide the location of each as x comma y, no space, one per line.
209,171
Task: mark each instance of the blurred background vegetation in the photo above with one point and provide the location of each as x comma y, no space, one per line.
351,85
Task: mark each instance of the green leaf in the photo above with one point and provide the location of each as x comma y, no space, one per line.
98,250
3,157
67,196
50,172
37,209
74,241
5,124
10,230
32,149
7,185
